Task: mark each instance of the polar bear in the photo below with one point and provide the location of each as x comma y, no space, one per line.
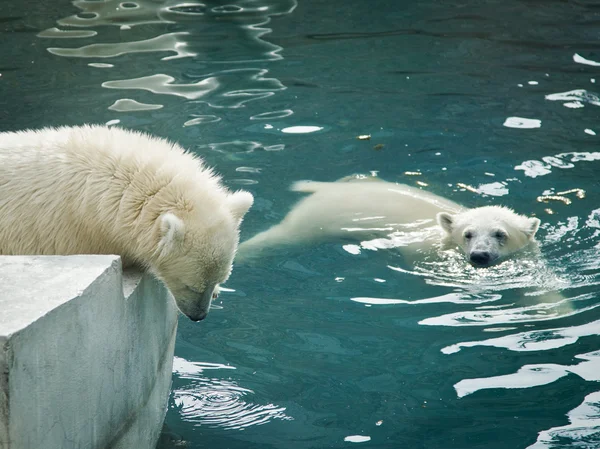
361,208
100,190
490,233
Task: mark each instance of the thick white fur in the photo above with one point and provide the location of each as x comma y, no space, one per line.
495,231
361,208
99,190
352,208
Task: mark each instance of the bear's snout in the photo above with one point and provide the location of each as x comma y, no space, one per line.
481,258
195,304
197,317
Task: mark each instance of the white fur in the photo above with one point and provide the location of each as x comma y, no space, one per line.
361,208
352,208
490,233
99,190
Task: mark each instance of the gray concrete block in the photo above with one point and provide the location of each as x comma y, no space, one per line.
85,353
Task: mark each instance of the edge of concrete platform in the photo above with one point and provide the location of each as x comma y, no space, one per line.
86,353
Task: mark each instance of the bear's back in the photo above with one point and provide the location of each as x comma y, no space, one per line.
90,189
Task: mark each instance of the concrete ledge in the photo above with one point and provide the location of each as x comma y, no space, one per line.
86,353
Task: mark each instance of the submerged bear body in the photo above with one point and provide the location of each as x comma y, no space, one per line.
363,208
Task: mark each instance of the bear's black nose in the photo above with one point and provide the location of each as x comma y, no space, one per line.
197,318
480,257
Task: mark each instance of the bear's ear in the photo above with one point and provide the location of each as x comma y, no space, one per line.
172,231
534,224
445,220
239,203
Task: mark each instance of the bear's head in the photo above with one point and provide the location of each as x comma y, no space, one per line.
195,253
488,234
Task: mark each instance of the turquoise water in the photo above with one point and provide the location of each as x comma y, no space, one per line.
344,344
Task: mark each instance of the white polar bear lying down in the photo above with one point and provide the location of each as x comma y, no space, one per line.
99,190
361,208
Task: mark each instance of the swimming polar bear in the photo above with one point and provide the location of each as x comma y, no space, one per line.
381,214
361,208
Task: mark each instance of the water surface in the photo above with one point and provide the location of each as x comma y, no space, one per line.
344,343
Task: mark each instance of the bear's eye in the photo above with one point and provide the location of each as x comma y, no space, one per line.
468,235
499,235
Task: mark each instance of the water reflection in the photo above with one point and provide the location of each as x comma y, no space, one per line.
536,340
570,277
172,42
519,290
242,25
127,105
220,87
524,123
204,31
583,430
454,298
554,291
119,13
272,115
575,98
56,33
144,12
535,168
581,60
233,147
200,119
535,375
101,65
215,402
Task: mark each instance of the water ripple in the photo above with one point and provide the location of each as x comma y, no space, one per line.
581,60
583,430
530,288
578,95
215,89
577,272
523,123
202,119
272,115
240,25
171,42
55,33
544,311
455,298
129,105
535,375
535,168
129,13
214,402
233,147
536,340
